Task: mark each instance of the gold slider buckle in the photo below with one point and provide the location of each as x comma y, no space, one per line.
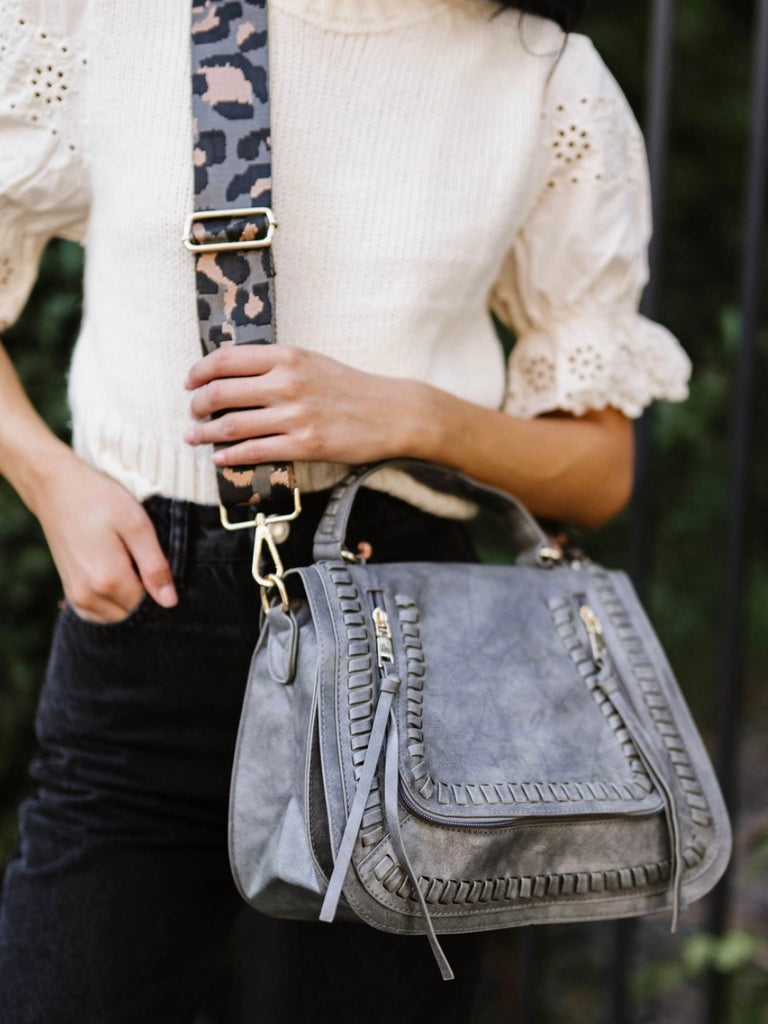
246,212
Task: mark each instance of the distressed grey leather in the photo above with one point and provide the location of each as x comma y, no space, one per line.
529,781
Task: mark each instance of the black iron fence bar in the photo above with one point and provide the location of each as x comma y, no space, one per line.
658,86
731,682
657,98
658,89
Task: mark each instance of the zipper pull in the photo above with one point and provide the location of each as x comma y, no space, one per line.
383,636
595,633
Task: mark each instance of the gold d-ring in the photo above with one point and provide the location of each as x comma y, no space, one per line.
274,581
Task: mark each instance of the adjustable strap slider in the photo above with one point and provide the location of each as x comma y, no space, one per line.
252,227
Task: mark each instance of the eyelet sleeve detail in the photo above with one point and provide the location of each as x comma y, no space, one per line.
570,286
43,163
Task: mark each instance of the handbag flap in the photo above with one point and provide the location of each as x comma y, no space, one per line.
499,713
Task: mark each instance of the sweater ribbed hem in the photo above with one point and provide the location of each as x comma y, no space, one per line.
146,468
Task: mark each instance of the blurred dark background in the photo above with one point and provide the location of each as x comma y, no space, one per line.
686,512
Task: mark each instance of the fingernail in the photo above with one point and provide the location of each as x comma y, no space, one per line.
218,457
189,435
167,596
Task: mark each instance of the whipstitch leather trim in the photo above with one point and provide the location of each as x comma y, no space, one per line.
387,870
359,674
567,628
327,524
464,793
509,888
655,700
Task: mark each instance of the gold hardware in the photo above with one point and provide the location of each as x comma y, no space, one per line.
595,633
252,524
549,555
248,211
274,581
263,537
381,622
383,636
364,552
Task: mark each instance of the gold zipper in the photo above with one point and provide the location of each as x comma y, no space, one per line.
595,633
383,636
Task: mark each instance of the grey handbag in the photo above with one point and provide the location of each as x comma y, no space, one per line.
445,748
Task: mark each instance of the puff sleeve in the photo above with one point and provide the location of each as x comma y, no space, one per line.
43,165
570,286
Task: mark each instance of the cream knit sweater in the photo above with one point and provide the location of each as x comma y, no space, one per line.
430,162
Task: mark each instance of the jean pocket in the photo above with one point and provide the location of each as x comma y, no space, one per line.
136,614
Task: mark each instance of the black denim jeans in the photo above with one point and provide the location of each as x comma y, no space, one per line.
120,896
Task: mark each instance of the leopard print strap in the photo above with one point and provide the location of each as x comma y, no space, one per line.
233,175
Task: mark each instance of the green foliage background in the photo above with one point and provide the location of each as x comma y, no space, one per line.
699,302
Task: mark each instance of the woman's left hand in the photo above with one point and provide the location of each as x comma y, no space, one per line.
278,403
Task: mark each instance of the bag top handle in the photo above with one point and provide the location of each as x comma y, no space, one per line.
525,533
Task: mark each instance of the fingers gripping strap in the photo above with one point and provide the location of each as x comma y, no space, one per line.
233,172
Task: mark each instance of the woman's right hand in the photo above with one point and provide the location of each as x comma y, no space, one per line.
102,541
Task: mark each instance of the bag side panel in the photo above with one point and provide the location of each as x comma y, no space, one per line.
270,853
653,689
